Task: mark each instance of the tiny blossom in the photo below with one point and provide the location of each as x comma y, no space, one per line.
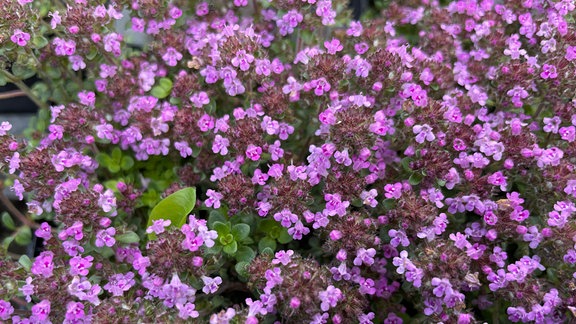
423,132
120,283
220,145
498,179
253,152
211,284
283,257
364,256
105,237
20,38
333,46
398,237
330,297
286,218
368,197
6,309
158,226
80,266
44,231
393,190
242,60
214,198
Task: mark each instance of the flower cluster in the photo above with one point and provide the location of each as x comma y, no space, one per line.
419,165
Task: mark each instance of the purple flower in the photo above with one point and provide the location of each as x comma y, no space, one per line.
333,46
498,179
20,38
43,265
171,56
187,310
364,256
120,283
283,257
368,197
105,237
442,287
516,314
211,284
6,309
259,177
533,236
44,231
28,289
213,199
80,266
335,205
273,278
286,218
329,297
253,152
220,145
40,311
298,230
242,60
393,190
74,311
398,237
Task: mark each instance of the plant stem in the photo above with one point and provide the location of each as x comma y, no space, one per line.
15,212
24,88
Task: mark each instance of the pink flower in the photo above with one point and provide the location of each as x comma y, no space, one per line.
253,152
20,38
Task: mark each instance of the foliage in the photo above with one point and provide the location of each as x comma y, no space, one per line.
269,161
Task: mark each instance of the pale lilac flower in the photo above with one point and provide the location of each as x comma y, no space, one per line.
330,297
20,38
211,284
158,226
105,237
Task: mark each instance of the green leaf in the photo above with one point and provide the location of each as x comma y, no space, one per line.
22,72
405,162
165,83
8,222
103,159
175,208
39,41
40,90
116,154
284,237
127,163
389,203
242,269
23,236
231,248
3,80
159,93
267,242
267,251
128,238
114,167
415,178
240,231
221,228
215,216
267,225
6,242
25,262
162,89
245,254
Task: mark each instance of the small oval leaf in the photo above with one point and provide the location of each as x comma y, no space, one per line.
128,238
175,208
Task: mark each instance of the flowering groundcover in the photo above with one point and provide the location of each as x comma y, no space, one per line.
277,162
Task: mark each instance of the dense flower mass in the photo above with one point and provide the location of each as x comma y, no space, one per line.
417,167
